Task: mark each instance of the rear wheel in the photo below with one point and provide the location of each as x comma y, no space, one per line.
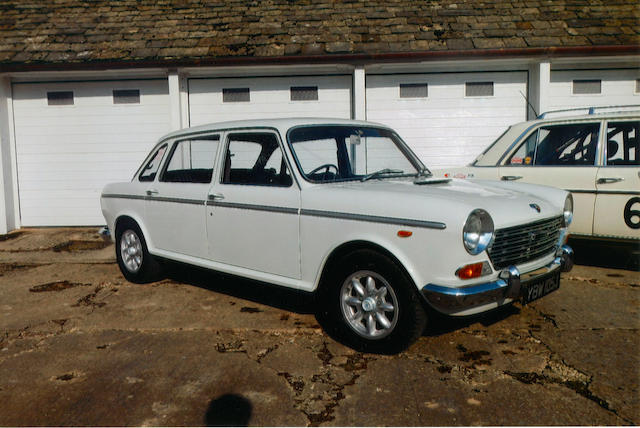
134,260
368,301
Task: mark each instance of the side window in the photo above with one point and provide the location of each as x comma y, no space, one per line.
151,168
526,152
191,161
561,145
623,143
255,159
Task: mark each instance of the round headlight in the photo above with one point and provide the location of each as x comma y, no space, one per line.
568,211
477,233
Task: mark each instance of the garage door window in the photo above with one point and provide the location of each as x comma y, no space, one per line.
623,143
235,95
151,168
304,93
587,87
478,89
567,145
60,98
191,161
126,96
255,159
414,90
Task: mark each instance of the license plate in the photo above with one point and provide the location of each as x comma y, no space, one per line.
542,287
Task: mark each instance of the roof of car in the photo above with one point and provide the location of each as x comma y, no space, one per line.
267,123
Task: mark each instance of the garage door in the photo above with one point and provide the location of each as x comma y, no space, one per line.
447,118
222,99
73,138
593,88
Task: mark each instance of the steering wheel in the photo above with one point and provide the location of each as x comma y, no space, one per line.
326,167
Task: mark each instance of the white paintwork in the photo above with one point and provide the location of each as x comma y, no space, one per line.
269,98
618,88
66,154
291,248
597,212
447,128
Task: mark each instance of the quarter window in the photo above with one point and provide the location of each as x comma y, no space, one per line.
255,159
151,168
623,143
572,145
192,161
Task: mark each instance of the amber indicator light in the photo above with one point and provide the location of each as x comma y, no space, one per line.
470,271
404,233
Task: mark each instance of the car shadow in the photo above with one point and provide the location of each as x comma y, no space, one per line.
440,324
255,291
606,254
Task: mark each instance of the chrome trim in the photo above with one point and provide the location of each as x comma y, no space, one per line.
375,219
267,208
508,285
605,192
122,196
175,200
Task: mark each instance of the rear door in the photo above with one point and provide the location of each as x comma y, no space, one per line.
175,201
562,155
617,208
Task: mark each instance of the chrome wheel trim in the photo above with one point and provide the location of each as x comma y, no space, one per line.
131,250
369,305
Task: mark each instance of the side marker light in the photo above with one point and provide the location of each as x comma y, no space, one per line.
404,233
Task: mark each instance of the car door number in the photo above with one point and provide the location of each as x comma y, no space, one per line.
630,215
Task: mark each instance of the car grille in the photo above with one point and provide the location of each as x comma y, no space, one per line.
520,244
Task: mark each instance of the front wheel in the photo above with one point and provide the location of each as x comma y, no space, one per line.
369,302
134,260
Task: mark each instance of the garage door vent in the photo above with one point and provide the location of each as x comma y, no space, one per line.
587,87
235,95
478,89
414,90
304,93
60,98
126,96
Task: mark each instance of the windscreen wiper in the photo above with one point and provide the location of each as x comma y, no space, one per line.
381,173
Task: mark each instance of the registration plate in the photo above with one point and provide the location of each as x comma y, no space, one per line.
542,287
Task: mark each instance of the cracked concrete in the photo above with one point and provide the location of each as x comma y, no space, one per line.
79,345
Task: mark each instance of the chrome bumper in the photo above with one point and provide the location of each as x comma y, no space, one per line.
451,300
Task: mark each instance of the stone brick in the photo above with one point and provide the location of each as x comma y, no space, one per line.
494,43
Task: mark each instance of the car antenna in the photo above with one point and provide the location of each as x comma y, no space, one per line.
530,105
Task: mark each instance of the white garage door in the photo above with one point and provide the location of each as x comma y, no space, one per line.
447,118
594,88
73,138
222,99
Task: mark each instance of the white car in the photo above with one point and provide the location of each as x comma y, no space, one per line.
342,209
595,156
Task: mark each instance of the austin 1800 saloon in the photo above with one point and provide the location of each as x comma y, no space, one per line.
344,210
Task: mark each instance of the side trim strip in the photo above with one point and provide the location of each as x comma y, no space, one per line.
287,210
281,210
375,219
605,192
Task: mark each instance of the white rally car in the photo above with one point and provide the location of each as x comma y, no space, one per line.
595,156
342,209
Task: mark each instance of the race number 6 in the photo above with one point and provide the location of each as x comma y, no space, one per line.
630,215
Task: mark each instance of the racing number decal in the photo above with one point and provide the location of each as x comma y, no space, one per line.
630,214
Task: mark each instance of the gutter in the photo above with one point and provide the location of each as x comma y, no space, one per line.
347,58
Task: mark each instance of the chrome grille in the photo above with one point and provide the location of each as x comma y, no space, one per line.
520,244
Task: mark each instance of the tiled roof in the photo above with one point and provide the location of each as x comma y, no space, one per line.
75,31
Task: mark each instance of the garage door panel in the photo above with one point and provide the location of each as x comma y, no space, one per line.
269,97
465,124
617,87
67,153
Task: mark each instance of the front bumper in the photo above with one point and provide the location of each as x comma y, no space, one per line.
508,286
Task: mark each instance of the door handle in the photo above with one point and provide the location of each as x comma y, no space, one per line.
609,180
216,196
510,177
152,192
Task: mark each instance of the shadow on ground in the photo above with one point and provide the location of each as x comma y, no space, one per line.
606,254
229,410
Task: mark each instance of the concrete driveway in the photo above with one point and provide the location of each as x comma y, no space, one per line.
79,345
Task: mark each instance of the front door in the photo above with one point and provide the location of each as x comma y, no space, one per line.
253,207
561,156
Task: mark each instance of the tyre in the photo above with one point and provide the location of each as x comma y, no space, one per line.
368,302
134,260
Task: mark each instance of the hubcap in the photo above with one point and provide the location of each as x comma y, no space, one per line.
369,305
131,251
